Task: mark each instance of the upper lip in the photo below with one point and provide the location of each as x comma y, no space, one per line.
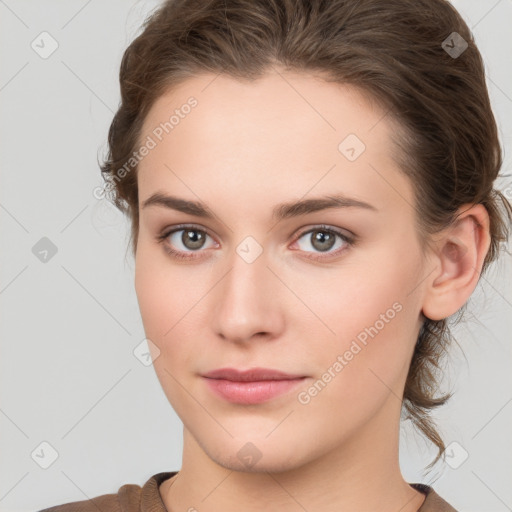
251,375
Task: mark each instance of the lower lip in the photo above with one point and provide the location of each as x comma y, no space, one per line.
251,392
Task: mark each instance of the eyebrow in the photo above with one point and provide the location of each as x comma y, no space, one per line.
279,212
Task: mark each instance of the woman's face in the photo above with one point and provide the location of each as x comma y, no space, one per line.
332,295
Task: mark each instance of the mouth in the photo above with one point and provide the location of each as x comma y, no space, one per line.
252,386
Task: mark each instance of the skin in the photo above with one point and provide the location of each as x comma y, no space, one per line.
243,149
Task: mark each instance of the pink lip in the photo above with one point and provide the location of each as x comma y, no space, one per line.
250,386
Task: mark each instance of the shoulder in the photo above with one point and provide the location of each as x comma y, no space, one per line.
129,498
433,502
104,502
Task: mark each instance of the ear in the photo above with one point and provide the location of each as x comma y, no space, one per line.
459,255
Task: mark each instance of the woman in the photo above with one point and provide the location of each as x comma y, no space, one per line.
250,135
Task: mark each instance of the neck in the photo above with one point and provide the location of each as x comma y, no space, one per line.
361,474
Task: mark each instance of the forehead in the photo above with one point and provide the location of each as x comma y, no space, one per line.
287,132
278,98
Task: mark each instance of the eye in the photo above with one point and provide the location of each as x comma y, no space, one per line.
182,241
323,239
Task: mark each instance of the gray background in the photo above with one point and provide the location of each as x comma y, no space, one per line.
69,325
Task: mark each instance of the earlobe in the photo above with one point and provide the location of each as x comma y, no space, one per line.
461,251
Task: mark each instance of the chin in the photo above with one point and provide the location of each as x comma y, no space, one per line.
257,456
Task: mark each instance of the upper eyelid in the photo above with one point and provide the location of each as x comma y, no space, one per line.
181,227
325,227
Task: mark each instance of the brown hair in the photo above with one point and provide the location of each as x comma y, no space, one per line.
391,51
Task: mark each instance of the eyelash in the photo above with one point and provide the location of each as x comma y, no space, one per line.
180,255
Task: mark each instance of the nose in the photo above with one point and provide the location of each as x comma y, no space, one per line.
248,301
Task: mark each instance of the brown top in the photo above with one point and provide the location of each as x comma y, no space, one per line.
133,498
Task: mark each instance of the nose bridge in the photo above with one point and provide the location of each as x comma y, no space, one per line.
247,298
248,280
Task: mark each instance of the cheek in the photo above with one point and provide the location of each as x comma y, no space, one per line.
164,300
172,309
373,316
156,281
164,297
352,300
152,294
365,364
